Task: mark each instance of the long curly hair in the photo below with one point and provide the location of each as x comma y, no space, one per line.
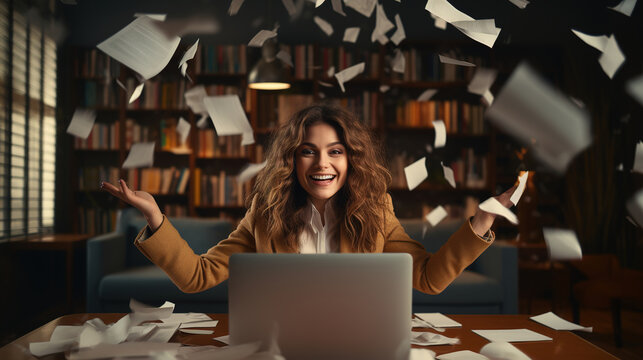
361,202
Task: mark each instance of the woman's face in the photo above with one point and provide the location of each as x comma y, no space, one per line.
321,163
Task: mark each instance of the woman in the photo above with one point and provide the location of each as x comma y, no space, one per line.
323,190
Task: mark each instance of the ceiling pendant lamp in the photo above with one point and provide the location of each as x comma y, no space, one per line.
269,73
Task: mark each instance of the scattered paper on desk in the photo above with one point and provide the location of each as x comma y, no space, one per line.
634,87
82,123
493,206
351,34
382,25
189,55
438,320
635,207
184,318
557,323
157,17
562,244
511,335
436,215
183,129
285,57
194,99
448,60
426,95
399,62
196,331
625,7
324,25
235,5
520,3
348,74
261,37
196,324
250,171
522,183
421,354
399,33
502,351
448,175
128,349
612,57
140,155
51,347
138,90
530,109
364,7
462,355
228,117
224,339
141,46
483,31
161,312
596,41
440,134
416,173
425,338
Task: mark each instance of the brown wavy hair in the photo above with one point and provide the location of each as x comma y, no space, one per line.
281,200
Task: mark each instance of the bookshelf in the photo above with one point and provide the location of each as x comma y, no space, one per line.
198,178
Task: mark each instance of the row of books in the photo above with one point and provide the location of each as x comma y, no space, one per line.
459,117
365,106
469,171
104,136
164,181
425,65
158,94
341,58
303,57
210,145
98,94
175,210
135,132
89,177
219,189
94,63
94,221
223,59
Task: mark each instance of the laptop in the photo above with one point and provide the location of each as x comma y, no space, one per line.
324,306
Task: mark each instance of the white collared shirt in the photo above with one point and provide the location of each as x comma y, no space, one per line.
317,238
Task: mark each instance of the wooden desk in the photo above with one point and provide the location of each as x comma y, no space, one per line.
565,344
57,242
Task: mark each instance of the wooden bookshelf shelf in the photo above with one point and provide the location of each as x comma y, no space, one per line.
458,84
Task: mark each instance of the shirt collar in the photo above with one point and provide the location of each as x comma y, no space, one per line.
315,217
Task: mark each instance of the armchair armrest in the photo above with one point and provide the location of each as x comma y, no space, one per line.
500,262
105,255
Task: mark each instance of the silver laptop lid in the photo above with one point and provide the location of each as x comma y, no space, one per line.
326,306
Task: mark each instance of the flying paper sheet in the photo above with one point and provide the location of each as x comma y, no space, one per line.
555,322
261,37
436,215
137,93
235,5
351,34
426,95
438,320
439,23
348,74
183,128
194,99
530,109
324,25
141,46
82,123
440,134
424,338
448,175
318,3
189,55
634,87
202,123
562,244
140,155
416,173
520,3
462,355
502,351
249,172
285,57
364,7
487,98
290,7
228,117
330,72
612,57
522,182
596,41
635,207
625,7
382,25
399,62
479,30
448,60
399,33
384,88
511,335
493,206
638,158
157,17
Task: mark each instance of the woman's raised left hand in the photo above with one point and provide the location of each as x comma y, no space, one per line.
482,220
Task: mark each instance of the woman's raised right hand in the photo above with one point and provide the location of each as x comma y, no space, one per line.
141,200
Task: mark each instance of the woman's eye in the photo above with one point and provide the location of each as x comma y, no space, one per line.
307,152
336,152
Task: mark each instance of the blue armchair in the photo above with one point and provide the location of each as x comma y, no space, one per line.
117,271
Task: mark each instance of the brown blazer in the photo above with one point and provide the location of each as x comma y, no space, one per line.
192,273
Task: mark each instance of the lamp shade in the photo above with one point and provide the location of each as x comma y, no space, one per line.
269,72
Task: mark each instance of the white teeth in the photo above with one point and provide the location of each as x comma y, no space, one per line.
322,177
